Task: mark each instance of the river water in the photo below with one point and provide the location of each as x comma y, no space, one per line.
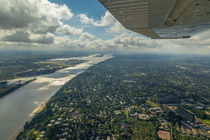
19,106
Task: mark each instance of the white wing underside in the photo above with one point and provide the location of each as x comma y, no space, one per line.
161,18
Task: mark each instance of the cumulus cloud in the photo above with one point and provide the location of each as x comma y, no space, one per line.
40,22
14,14
68,30
37,22
106,20
34,21
87,36
198,41
45,39
44,29
18,37
133,42
22,14
116,28
124,41
25,37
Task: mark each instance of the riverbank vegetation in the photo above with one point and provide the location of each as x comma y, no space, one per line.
10,87
27,64
119,99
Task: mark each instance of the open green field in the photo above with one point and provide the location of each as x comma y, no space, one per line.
206,121
27,64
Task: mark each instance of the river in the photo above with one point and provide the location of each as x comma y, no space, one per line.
19,106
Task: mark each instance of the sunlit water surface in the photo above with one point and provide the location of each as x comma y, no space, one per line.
18,107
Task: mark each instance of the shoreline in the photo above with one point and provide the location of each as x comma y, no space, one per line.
15,87
36,111
41,107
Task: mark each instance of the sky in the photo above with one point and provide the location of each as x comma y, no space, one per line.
80,25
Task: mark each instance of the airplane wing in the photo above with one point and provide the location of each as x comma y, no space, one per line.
161,19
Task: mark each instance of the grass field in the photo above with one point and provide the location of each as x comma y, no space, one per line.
206,121
152,103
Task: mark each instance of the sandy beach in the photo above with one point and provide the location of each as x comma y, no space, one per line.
48,82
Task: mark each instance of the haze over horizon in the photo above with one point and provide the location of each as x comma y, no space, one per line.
70,70
80,25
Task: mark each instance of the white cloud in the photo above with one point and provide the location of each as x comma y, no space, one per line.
116,28
21,21
37,22
106,20
44,39
18,37
68,30
21,36
86,20
88,36
40,22
29,13
138,42
133,42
